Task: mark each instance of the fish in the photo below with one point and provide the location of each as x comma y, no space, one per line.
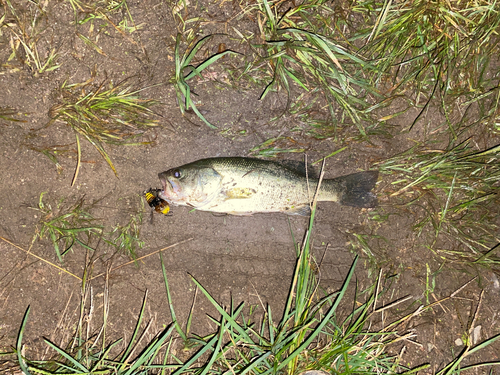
246,186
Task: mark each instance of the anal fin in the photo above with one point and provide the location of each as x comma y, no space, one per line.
301,211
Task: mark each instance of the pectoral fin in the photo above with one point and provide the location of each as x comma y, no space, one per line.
239,193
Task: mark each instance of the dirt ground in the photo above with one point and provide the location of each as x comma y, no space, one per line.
247,259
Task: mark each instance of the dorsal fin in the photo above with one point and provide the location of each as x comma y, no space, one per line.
300,167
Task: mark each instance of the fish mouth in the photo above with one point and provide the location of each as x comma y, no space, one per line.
171,191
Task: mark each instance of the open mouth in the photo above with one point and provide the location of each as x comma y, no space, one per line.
166,191
162,194
171,190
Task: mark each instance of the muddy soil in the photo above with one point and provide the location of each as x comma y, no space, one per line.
239,259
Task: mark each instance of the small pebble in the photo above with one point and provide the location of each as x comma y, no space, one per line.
476,335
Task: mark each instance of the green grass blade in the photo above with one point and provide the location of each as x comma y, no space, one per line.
187,58
205,347
317,330
76,365
103,357
148,353
484,344
220,340
19,345
170,304
125,355
101,150
206,63
198,113
221,311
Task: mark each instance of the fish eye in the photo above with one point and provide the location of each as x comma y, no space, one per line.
177,173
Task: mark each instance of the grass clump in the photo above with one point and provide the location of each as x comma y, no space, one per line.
433,49
25,28
303,46
99,16
456,193
102,10
104,114
310,335
306,337
126,238
183,63
66,226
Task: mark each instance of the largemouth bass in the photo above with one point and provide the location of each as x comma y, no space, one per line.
245,186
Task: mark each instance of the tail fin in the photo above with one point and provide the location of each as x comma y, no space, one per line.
356,189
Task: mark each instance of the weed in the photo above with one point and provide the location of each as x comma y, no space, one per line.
52,152
372,246
25,38
125,238
182,63
434,49
113,115
274,347
66,226
361,243
104,14
9,114
84,356
309,336
430,281
456,192
101,10
302,47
